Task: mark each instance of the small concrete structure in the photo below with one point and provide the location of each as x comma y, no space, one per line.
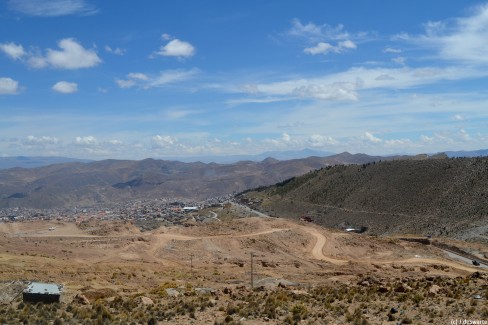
42,292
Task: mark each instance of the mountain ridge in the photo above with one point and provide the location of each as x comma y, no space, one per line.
112,181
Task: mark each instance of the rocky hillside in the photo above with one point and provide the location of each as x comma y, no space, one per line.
112,181
447,197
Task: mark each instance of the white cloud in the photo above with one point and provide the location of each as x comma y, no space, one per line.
40,141
346,85
176,114
163,142
464,135
426,139
347,44
398,143
65,87
115,142
316,33
164,78
13,50
116,51
462,39
51,8
8,86
320,141
71,56
324,37
325,48
86,141
458,117
128,83
399,60
320,48
370,137
392,50
138,76
171,76
384,77
255,100
166,37
336,91
177,48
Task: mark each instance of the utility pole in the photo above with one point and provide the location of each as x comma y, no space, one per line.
191,265
252,271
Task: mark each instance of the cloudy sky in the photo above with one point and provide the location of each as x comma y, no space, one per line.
120,79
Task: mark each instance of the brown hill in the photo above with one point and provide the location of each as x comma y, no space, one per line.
447,197
111,181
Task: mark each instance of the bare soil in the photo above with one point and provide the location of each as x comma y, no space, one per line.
114,260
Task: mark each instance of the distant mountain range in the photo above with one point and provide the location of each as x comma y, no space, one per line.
111,181
475,153
279,155
33,162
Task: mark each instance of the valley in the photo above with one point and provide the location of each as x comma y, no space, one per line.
277,254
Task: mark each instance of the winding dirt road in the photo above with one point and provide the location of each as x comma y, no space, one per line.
318,248
320,243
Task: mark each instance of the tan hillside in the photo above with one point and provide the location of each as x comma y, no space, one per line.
446,197
202,273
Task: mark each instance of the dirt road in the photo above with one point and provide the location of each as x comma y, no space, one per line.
318,248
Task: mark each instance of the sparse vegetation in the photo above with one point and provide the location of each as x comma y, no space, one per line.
390,194
352,304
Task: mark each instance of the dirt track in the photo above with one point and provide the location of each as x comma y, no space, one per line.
283,249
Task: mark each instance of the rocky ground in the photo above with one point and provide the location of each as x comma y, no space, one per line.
113,273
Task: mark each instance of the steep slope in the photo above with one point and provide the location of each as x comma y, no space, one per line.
436,196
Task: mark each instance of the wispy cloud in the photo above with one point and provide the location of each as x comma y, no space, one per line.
392,50
52,8
164,78
347,85
325,38
462,39
316,33
324,48
115,51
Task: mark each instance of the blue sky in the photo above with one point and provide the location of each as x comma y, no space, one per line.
120,79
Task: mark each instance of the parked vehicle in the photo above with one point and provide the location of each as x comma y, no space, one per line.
306,218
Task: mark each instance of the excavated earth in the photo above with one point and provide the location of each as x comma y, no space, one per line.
106,262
